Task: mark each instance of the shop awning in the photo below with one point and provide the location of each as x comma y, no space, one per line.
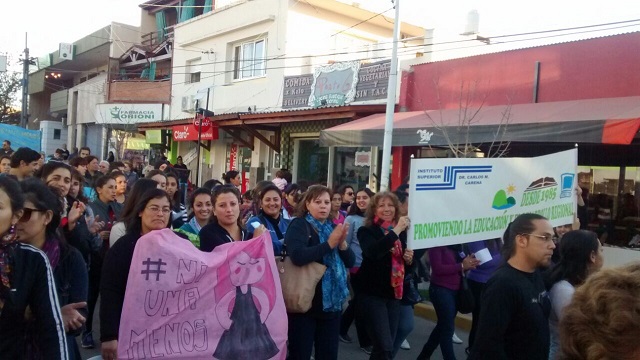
602,121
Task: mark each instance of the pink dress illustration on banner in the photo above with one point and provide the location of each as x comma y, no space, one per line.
244,308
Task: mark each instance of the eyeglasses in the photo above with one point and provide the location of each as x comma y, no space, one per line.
26,214
547,237
350,193
157,210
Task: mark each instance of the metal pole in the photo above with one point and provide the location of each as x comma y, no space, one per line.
25,85
198,177
391,103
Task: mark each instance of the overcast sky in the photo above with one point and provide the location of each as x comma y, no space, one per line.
51,22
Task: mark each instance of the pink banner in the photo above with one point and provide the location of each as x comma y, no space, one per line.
182,303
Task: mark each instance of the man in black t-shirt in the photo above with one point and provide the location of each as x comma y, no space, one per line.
515,305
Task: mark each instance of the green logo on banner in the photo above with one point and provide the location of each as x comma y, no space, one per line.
501,201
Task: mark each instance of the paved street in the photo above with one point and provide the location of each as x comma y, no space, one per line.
352,352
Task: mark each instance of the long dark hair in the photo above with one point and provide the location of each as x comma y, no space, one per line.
576,248
140,187
266,189
226,189
75,174
12,188
192,199
45,199
230,175
523,224
176,196
133,222
354,209
49,168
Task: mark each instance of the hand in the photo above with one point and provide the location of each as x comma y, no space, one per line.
579,198
71,317
96,225
470,262
343,243
408,256
338,235
259,231
104,235
110,350
77,209
403,224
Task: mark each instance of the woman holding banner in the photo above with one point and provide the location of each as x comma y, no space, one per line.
326,244
381,276
151,212
270,215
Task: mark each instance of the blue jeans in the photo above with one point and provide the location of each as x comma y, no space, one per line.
444,303
307,331
405,326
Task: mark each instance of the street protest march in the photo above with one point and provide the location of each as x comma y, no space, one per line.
182,303
455,201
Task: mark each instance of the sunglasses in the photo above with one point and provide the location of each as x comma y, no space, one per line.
26,214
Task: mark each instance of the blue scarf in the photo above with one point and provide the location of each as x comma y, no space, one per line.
334,281
195,225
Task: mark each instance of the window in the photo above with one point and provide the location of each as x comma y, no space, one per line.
56,134
249,59
193,71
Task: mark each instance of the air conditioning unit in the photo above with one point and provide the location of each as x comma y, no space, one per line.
189,104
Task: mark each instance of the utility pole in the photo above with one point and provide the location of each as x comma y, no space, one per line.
391,103
26,61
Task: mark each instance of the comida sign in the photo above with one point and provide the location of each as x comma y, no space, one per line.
128,113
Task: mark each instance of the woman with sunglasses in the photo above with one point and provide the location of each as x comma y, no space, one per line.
347,193
39,227
151,212
25,270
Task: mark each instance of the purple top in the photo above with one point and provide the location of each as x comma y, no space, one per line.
483,272
445,271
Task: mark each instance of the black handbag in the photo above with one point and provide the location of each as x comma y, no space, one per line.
410,293
465,301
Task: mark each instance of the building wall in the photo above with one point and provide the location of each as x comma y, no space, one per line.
597,68
48,143
287,142
218,32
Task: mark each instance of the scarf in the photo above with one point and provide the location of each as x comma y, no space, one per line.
334,281
397,262
8,244
288,207
51,247
195,225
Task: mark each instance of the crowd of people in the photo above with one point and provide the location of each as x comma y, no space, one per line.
69,227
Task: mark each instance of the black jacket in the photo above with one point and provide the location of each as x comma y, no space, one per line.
374,276
32,286
213,235
303,245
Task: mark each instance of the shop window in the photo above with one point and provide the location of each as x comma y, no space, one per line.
351,166
250,59
312,161
56,134
612,206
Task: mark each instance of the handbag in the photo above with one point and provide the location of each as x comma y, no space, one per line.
465,301
410,293
298,282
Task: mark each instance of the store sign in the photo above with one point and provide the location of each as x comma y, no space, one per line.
128,113
296,91
371,84
334,85
153,136
363,158
190,133
233,157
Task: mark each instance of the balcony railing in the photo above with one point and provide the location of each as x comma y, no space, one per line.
140,91
151,38
59,100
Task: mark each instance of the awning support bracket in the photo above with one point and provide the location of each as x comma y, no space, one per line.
237,135
274,146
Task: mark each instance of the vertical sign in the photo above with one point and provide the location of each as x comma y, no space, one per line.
233,156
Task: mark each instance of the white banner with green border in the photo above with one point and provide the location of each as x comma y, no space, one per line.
455,201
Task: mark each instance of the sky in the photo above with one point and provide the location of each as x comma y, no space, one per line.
52,22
